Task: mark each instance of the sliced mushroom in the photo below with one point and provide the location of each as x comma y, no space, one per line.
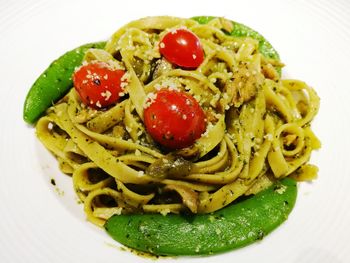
161,66
142,69
170,166
189,196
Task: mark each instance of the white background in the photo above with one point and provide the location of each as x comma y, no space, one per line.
39,224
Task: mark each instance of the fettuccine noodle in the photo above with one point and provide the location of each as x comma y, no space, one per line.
258,126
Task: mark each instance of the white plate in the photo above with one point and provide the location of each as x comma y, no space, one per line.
39,224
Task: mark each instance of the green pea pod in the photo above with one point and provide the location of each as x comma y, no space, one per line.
54,82
235,226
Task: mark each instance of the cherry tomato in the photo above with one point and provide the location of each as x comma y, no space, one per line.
174,119
98,85
183,48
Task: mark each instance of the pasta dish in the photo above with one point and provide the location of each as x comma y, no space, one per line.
247,127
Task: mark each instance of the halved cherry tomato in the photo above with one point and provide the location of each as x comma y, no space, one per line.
183,48
98,85
174,119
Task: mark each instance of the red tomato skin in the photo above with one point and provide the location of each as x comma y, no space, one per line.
98,85
183,48
174,119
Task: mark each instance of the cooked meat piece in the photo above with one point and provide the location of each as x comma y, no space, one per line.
244,85
270,71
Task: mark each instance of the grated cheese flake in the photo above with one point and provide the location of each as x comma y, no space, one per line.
125,77
268,136
164,212
98,104
107,94
150,98
281,189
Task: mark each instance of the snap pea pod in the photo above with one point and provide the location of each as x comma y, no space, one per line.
54,82
235,226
